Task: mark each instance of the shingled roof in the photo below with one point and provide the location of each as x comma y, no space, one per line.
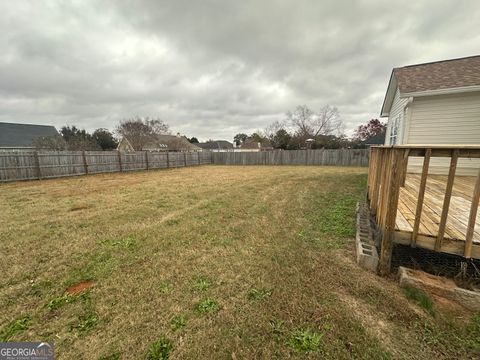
216,145
22,135
439,77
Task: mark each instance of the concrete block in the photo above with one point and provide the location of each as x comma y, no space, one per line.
439,286
367,255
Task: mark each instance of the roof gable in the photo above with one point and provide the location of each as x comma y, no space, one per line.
14,135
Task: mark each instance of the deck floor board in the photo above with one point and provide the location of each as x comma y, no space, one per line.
459,210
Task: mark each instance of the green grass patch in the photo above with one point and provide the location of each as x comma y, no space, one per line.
93,266
114,356
126,242
305,340
202,283
86,323
421,299
166,287
207,306
14,327
259,294
160,349
178,322
58,302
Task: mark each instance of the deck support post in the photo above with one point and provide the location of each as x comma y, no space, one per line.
472,218
394,168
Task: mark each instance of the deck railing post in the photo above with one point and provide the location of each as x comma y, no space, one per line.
421,196
394,170
446,200
405,167
472,218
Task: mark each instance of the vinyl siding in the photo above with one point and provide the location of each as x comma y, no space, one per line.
398,106
445,119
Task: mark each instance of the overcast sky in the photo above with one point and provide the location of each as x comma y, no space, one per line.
212,69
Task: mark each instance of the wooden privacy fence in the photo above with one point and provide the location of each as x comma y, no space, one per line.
334,157
51,164
386,182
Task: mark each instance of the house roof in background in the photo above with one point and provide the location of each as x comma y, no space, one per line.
216,144
250,144
14,135
175,142
446,74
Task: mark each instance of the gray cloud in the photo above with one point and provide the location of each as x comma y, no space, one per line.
215,68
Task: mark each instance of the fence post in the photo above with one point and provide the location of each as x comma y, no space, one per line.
119,160
85,165
37,165
146,159
198,156
185,159
168,159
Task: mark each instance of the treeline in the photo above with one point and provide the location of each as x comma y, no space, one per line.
139,132
301,128
305,128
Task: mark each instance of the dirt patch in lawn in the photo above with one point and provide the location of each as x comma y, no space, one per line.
79,288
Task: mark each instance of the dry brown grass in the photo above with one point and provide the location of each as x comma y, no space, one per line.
145,239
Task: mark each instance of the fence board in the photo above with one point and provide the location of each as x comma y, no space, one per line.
30,165
334,157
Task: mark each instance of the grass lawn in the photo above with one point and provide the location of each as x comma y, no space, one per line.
212,262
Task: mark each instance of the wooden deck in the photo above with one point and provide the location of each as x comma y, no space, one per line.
457,221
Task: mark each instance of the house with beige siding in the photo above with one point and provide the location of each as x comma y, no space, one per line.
435,103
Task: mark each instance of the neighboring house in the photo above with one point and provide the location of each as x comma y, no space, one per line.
162,143
216,146
435,103
378,139
250,146
23,136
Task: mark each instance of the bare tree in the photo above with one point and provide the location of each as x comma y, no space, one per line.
310,124
140,131
272,129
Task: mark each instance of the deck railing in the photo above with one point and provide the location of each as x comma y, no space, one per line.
387,173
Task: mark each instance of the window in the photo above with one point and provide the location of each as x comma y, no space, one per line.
394,130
